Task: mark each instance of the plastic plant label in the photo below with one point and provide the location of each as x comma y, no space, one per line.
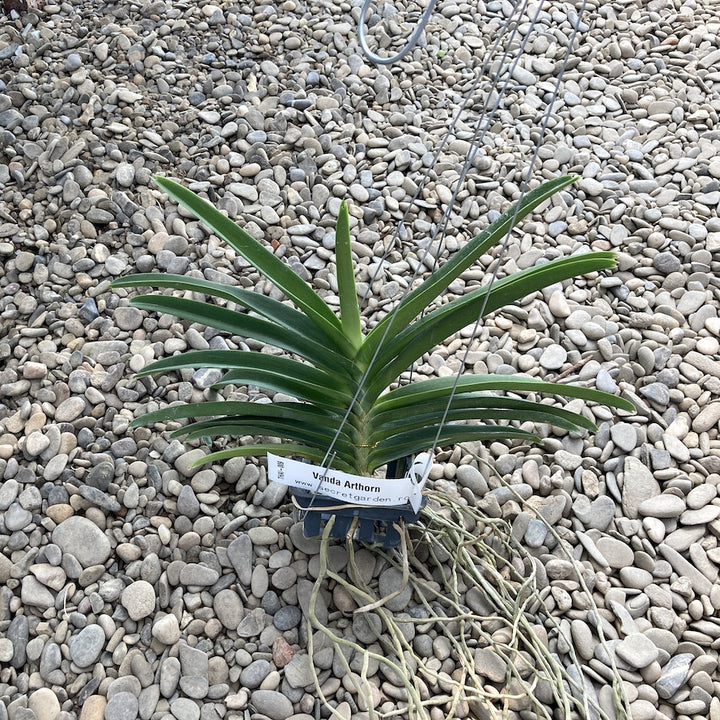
353,489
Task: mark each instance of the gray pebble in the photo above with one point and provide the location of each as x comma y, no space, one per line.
271,703
99,498
198,575
287,618
187,503
122,706
639,485
83,539
536,533
86,646
100,476
228,608
605,382
138,599
252,676
662,506
184,709
169,676
637,650
657,392
673,675
367,627
597,514
166,629
391,582
666,263
127,683
553,357
184,463
125,175
128,318
72,62
16,517
240,554
17,633
299,671
624,436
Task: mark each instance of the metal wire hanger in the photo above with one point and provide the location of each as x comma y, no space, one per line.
378,59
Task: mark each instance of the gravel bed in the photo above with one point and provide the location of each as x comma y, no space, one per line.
134,586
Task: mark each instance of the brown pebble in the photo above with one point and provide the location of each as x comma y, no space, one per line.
93,708
58,513
282,652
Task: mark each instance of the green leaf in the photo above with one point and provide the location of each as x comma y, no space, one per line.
275,373
463,400
260,257
218,408
474,406
281,313
414,441
280,449
438,325
408,395
349,308
414,304
247,326
317,437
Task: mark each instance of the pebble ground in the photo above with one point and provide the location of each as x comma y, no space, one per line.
134,586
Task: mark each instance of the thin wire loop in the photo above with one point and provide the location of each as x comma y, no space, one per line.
444,141
480,132
523,191
407,290
378,59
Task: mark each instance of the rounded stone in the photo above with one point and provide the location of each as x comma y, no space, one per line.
123,706
45,704
70,409
185,709
83,539
139,599
228,608
166,630
87,645
263,535
125,174
271,703
553,357
288,617
253,675
662,506
637,650
128,318
390,583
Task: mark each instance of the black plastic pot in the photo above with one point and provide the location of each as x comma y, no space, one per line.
373,524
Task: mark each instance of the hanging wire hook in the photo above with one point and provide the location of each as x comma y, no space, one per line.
379,60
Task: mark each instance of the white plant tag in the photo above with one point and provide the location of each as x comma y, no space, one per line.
353,489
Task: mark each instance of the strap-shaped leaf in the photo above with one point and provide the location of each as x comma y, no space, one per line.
260,257
282,429
247,326
281,449
421,297
281,313
275,373
306,422
536,415
219,408
349,308
408,395
414,441
467,400
438,325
